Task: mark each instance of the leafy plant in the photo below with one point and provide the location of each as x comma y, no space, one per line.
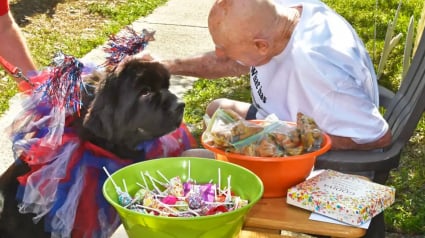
408,47
390,42
420,27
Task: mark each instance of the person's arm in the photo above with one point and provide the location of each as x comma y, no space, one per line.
345,143
207,66
13,47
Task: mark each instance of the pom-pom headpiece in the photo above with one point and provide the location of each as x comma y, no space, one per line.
56,96
64,85
118,47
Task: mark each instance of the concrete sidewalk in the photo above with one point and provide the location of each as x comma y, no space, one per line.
181,30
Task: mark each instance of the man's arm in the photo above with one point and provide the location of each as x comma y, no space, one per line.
344,143
207,66
12,45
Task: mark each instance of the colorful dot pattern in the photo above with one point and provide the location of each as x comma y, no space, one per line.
344,197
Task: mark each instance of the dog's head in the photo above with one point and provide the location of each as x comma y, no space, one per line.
132,104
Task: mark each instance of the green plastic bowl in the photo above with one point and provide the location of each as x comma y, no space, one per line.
244,183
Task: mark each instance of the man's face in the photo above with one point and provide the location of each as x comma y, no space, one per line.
234,35
243,52
235,45
233,38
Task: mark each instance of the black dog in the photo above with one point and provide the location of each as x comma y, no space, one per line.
127,106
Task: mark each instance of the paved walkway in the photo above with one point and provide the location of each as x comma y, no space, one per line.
181,30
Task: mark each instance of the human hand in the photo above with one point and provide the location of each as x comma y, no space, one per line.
145,56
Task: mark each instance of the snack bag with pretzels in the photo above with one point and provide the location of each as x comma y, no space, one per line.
268,138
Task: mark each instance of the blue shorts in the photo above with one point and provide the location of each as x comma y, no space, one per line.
252,113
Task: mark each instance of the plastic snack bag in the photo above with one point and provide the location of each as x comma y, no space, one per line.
260,144
310,133
267,138
227,127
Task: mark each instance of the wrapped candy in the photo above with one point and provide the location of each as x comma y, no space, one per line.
176,187
196,200
124,198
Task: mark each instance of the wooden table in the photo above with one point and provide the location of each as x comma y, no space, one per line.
257,234
271,215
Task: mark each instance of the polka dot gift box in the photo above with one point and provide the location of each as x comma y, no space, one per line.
347,198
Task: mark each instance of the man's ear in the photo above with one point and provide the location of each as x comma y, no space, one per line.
262,46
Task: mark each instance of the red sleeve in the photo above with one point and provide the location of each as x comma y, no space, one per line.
4,7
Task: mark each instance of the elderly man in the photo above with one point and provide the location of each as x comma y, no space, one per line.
302,57
12,44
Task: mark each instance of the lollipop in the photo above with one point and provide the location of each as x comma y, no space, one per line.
175,198
124,198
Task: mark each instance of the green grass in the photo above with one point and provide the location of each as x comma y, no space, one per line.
204,91
407,215
74,27
115,15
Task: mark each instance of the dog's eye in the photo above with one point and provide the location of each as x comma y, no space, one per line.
145,91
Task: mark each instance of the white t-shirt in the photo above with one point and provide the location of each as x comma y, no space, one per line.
324,72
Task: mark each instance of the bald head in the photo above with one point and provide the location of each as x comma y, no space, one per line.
250,31
242,18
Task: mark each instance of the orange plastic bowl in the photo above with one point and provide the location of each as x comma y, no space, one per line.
277,173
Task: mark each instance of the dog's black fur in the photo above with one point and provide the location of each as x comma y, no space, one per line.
127,106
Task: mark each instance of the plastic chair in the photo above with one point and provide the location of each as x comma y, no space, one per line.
404,110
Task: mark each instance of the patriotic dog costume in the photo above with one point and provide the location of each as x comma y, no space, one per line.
69,130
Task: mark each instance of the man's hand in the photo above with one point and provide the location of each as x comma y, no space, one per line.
145,56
